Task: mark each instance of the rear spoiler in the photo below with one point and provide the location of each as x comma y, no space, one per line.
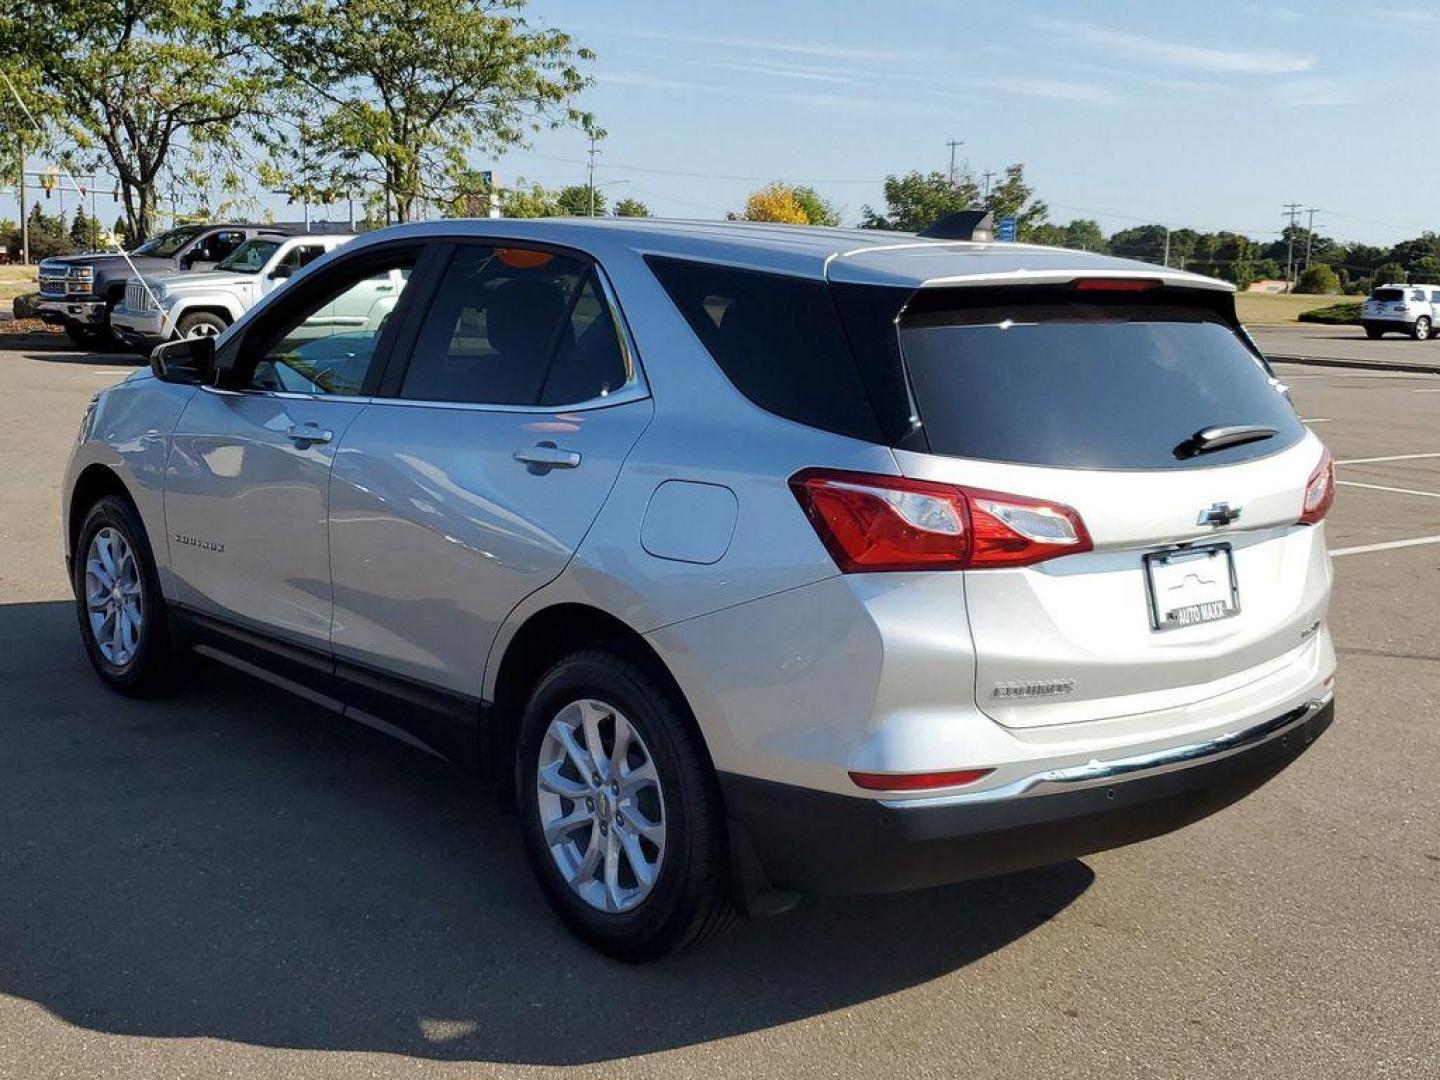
974,225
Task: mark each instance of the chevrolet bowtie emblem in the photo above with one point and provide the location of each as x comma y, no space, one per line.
1218,514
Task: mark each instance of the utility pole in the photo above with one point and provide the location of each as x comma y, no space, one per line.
1292,210
953,143
590,182
1167,247
987,174
1309,234
24,216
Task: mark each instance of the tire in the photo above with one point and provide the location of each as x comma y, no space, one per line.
1421,330
142,664
200,324
84,336
1374,333
689,897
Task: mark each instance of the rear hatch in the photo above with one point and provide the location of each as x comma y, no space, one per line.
1386,303
1198,580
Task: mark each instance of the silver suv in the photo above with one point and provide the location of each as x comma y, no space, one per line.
746,560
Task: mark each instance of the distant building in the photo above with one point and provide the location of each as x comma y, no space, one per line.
1270,285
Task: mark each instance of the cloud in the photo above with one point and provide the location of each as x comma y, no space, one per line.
794,48
1235,61
1051,89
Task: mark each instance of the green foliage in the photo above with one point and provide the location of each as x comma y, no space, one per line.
917,199
1013,197
1319,279
578,200
84,230
49,235
1391,273
631,208
528,202
818,211
1335,314
400,91
139,80
1082,234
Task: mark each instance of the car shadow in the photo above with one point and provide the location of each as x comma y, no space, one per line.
237,864
66,353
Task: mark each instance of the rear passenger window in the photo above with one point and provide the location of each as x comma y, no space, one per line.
778,339
515,326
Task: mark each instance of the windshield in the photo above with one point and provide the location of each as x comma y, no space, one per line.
1038,377
249,257
168,243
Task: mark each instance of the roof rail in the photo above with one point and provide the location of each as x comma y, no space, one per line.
976,225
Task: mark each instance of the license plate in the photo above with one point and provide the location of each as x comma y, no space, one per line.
1191,586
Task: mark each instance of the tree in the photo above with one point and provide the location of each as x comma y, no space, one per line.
916,200
403,90
774,202
818,211
1013,197
1391,273
121,230
580,200
49,235
84,230
528,202
138,80
631,208
1318,279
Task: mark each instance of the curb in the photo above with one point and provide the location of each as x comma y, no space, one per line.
1371,365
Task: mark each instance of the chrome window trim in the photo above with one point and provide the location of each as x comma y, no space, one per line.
288,395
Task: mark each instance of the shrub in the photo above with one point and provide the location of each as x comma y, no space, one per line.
1336,314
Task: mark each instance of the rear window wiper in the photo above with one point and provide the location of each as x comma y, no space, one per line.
1209,439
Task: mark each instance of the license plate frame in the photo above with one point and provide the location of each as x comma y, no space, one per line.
1215,598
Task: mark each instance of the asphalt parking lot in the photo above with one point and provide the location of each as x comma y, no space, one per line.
232,882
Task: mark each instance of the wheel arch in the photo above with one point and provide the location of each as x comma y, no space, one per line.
209,305
94,482
543,638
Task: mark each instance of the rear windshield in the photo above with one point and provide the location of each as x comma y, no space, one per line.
1388,294
1044,377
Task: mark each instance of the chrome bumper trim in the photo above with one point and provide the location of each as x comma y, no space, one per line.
1097,773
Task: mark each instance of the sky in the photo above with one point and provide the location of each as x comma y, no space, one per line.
1207,115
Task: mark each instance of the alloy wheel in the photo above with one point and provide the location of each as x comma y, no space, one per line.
601,808
113,598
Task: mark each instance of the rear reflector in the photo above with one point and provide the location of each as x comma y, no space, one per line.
1319,492
1115,284
870,522
879,781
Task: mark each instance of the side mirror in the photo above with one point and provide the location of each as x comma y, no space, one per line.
281,272
189,361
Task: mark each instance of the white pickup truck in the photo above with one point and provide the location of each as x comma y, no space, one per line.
199,305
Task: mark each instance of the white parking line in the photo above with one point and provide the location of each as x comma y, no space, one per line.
1317,420
1389,545
1428,390
1391,457
1382,487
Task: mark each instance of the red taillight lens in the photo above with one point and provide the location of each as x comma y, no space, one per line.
1115,284
879,781
874,523
1319,492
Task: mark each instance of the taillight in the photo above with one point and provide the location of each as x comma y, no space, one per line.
872,781
873,523
1115,284
1319,492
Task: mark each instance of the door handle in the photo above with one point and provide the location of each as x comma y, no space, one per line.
544,456
308,434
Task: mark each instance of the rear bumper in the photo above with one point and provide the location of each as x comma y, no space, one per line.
811,841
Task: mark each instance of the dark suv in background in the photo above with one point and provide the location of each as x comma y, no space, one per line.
79,291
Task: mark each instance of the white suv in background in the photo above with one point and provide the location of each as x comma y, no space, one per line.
204,304
1405,309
